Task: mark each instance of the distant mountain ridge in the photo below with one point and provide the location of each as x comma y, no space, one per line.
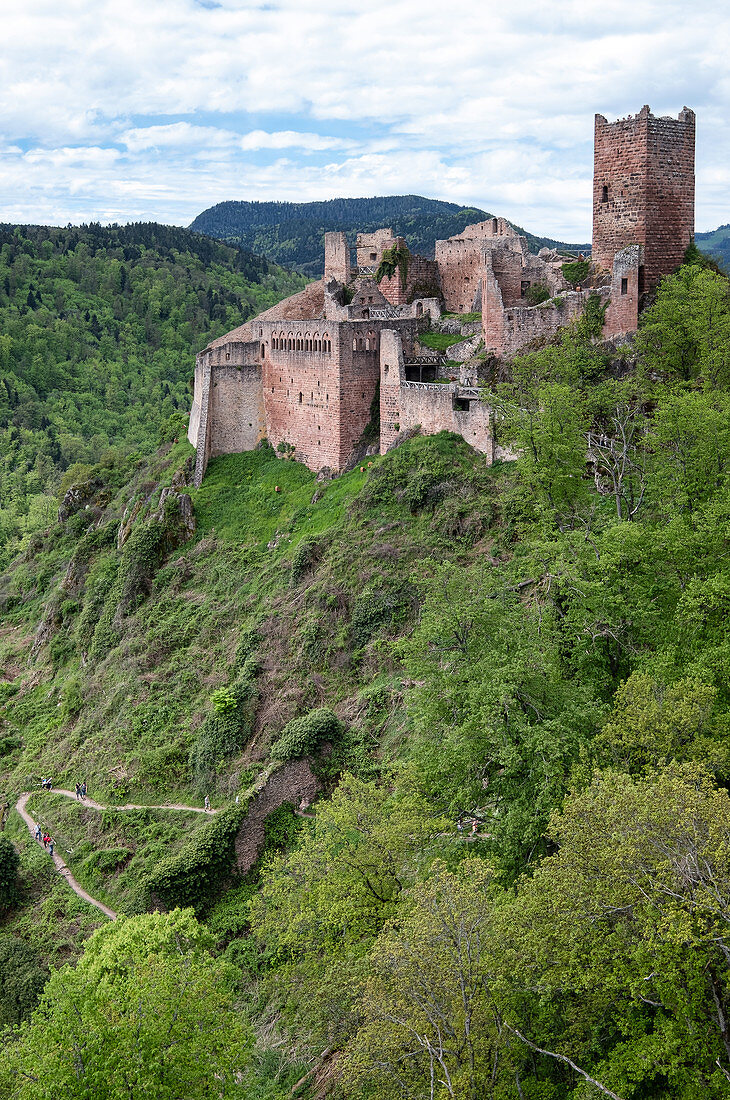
292,233
716,243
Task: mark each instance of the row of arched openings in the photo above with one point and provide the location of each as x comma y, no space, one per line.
288,341
365,343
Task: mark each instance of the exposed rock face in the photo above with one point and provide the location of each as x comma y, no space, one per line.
79,496
292,782
174,510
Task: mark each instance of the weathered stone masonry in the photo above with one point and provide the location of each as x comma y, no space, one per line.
305,372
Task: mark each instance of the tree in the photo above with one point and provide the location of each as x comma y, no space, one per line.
430,1025
321,907
147,1012
9,864
616,956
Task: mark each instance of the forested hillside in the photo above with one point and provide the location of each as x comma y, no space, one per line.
511,687
716,244
98,332
292,233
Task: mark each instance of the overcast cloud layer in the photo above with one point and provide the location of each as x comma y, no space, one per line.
119,110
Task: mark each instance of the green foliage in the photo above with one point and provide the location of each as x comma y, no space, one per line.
99,327
196,875
576,272
147,1012
21,980
224,732
537,293
303,735
392,260
9,865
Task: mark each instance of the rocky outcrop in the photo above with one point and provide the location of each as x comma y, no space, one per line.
293,782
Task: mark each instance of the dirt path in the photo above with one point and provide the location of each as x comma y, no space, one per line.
59,864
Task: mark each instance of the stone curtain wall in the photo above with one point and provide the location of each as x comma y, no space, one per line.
435,408
643,189
302,389
459,260
236,410
422,279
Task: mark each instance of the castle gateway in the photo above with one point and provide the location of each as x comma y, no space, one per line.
305,373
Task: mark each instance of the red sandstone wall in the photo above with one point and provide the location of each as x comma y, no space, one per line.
421,280
647,165
622,313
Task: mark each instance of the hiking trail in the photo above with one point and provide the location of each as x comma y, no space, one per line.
58,860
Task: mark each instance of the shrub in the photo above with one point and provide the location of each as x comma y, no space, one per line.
200,870
576,272
21,980
9,864
9,744
376,608
537,293
301,736
225,731
305,556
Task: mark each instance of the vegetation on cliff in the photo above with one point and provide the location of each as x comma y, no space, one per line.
538,648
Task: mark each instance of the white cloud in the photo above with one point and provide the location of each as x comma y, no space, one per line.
474,105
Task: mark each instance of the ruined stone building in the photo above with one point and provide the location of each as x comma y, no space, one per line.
306,373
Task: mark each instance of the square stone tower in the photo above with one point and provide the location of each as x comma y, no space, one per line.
643,190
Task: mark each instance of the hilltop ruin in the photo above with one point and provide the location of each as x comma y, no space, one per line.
305,373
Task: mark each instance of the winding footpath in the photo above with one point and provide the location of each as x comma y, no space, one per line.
59,864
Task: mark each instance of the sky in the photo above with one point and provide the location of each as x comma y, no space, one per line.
128,110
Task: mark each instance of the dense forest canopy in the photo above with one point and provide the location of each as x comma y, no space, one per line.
99,326
511,685
292,233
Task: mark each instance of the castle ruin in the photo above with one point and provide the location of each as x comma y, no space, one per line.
305,374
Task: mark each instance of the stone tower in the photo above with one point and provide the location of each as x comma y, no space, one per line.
337,257
643,190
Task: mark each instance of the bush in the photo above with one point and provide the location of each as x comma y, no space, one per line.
21,980
576,272
306,555
199,871
301,736
9,744
537,293
227,729
9,864
376,608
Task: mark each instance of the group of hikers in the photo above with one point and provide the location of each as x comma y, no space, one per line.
81,790
43,838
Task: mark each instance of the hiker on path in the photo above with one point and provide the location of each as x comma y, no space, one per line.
83,789
46,838
78,790
206,804
51,842
38,831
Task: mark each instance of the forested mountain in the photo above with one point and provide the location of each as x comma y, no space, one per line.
98,332
508,690
292,233
716,243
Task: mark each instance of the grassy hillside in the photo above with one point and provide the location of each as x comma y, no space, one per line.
513,684
98,331
293,233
